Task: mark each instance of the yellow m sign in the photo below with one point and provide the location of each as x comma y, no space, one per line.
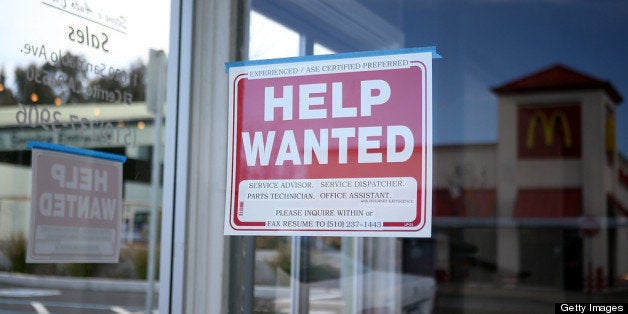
549,132
548,127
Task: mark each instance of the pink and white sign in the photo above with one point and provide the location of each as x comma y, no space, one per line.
76,209
333,145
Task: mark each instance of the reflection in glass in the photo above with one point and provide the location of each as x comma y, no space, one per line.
74,75
530,188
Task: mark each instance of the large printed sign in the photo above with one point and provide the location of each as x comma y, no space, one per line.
76,205
331,145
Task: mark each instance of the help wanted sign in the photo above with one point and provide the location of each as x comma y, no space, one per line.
331,145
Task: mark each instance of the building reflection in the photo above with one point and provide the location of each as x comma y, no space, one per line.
545,206
537,218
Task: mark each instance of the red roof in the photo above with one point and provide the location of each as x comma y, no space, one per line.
557,78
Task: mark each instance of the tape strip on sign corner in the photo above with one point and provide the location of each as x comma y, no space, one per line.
75,151
336,56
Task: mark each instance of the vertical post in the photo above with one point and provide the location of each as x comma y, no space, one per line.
351,274
295,273
155,96
242,252
242,274
299,258
299,263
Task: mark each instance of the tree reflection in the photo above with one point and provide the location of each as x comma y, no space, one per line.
72,79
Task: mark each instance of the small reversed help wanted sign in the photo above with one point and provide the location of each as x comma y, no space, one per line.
76,205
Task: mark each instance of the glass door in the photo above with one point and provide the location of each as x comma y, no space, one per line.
80,80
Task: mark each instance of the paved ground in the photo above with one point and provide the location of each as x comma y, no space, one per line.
49,295
17,299
126,297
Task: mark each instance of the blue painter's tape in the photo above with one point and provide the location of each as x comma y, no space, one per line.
346,55
75,151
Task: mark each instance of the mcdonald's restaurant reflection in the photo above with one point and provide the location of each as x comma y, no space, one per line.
545,206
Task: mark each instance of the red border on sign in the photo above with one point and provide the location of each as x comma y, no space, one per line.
410,226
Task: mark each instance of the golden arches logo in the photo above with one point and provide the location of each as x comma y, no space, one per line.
548,125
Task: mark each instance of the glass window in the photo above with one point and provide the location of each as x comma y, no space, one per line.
271,39
530,189
530,170
86,76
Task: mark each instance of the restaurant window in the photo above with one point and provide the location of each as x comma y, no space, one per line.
530,168
81,82
529,204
